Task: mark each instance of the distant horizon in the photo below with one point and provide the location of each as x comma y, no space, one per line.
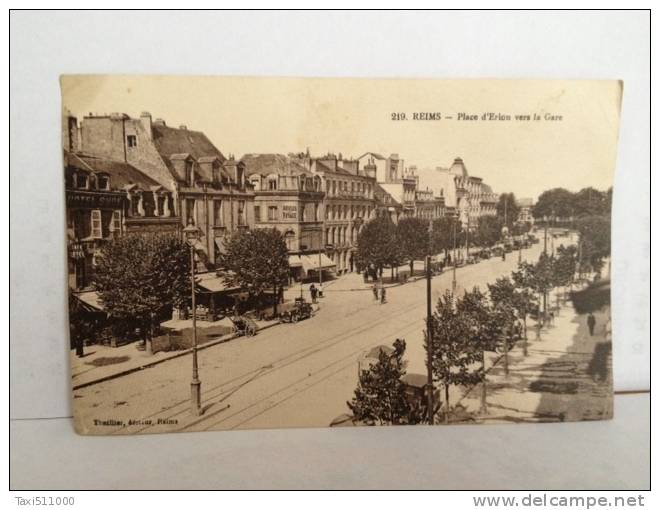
353,116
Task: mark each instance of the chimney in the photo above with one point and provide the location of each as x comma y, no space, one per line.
183,126
159,122
145,120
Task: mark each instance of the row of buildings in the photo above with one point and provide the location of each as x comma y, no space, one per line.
127,175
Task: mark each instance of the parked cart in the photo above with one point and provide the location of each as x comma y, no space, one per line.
244,325
293,312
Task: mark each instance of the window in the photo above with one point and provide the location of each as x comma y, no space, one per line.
160,205
241,213
272,184
190,211
115,225
97,232
135,199
190,175
257,213
272,213
131,141
103,182
81,181
217,213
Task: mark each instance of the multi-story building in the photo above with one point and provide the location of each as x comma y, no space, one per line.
289,197
104,199
428,206
525,215
349,203
386,205
394,178
208,189
466,197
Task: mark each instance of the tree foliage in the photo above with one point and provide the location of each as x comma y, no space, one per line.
488,231
595,241
455,346
380,397
445,231
412,236
140,277
507,209
377,244
556,202
565,265
256,260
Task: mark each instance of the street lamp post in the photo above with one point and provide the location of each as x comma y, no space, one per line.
453,278
191,233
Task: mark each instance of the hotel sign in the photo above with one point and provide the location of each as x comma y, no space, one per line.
289,212
94,200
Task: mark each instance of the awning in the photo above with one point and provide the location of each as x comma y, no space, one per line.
311,262
294,261
90,301
211,282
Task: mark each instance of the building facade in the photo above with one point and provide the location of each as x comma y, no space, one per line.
525,215
289,197
465,196
105,199
392,176
209,190
386,205
348,204
428,206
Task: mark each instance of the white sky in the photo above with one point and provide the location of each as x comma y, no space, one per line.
353,116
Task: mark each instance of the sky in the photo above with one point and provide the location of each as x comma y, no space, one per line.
352,116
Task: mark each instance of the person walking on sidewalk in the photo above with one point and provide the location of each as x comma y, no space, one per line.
383,300
313,291
374,289
591,322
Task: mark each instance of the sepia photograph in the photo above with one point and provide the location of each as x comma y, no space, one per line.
282,252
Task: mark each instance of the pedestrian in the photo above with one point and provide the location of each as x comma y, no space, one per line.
382,296
591,322
313,291
374,289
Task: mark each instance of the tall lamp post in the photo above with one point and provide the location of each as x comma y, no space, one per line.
192,233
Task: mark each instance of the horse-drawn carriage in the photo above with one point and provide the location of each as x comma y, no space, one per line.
293,312
244,325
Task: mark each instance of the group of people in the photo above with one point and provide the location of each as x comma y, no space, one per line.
379,294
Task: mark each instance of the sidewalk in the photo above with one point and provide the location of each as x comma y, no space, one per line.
101,363
567,375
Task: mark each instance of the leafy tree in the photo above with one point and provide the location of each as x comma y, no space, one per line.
595,241
526,301
454,350
257,260
488,231
140,278
446,234
554,203
487,326
412,235
380,397
543,278
504,292
592,202
508,209
377,244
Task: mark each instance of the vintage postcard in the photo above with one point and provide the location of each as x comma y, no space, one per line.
280,252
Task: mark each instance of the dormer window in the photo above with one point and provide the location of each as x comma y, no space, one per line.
82,181
131,141
272,184
103,182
